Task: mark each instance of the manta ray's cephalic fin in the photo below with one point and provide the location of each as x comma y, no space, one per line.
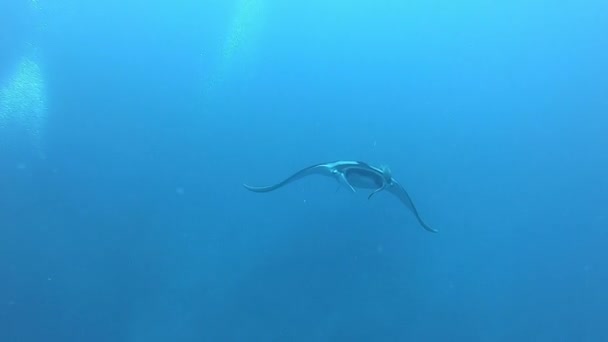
376,191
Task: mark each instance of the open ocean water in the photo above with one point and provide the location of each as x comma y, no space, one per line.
127,130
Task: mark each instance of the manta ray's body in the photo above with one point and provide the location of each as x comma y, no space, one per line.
354,174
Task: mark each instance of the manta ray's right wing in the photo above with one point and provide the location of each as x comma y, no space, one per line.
397,190
320,169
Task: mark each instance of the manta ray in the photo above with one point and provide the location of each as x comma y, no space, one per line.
353,175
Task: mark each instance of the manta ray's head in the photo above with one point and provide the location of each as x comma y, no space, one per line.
388,175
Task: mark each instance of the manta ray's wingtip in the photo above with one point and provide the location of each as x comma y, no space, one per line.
432,230
257,188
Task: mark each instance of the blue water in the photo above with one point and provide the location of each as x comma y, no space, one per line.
134,226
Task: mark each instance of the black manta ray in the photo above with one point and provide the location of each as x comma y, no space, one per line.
353,174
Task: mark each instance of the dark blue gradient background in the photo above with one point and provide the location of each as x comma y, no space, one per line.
136,227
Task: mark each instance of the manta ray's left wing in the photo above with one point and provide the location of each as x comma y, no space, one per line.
397,190
321,169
